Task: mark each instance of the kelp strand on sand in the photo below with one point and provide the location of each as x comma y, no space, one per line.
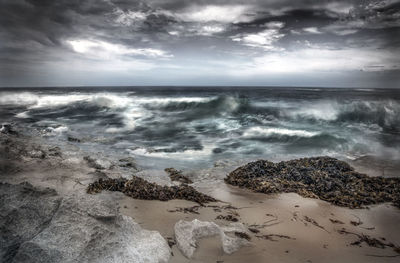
325,178
139,188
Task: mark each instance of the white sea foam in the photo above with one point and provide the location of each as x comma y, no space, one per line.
23,98
51,131
38,100
60,129
184,155
265,132
323,110
163,101
129,118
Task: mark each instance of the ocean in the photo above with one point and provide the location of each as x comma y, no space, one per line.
193,127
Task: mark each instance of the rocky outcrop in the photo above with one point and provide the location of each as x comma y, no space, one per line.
38,226
320,177
188,233
24,212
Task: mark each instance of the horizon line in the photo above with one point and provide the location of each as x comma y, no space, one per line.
192,86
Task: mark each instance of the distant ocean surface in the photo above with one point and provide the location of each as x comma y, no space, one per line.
197,126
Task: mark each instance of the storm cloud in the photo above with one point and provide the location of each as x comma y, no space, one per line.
176,42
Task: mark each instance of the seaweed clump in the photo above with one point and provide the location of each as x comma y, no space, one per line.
139,188
177,175
325,178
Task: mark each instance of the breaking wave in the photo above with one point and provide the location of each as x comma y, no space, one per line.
385,114
267,132
215,123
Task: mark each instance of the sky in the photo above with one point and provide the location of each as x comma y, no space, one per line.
200,42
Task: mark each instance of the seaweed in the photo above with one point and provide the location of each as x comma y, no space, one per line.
323,178
139,188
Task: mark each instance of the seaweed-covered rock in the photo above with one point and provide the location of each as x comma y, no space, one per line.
141,189
177,175
326,178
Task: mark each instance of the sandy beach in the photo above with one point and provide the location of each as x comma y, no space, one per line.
285,227
156,131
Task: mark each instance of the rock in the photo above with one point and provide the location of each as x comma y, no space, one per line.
128,162
35,153
101,164
7,128
319,177
188,233
24,212
55,151
177,175
73,139
78,228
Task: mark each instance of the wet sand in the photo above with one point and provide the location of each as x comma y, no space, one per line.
282,214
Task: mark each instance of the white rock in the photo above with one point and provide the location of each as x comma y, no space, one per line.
232,244
188,233
78,228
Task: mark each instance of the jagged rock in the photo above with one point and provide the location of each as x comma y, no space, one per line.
35,153
24,212
128,162
325,178
55,151
79,228
7,128
188,233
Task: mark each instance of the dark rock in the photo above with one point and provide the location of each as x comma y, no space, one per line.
217,150
177,175
320,177
73,139
141,189
7,128
55,151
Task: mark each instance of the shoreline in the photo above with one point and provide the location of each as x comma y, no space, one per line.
295,240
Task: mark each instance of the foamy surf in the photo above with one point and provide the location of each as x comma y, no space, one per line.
260,132
196,125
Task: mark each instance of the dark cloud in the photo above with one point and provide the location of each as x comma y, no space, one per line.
214,37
